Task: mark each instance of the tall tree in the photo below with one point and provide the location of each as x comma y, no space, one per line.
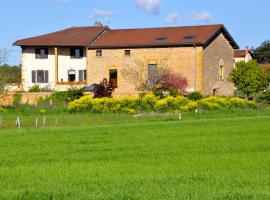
249,78
4,55
262,53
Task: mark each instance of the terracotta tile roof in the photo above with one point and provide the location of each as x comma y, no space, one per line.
167,36
242,53
74,36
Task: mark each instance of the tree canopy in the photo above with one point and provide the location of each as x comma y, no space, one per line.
262,53
249,78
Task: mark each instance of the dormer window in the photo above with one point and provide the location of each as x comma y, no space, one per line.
161,38
41,53
76,53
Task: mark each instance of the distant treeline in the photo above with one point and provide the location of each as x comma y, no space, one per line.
10,74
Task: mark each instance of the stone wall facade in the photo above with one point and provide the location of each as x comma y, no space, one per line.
218,53
184,60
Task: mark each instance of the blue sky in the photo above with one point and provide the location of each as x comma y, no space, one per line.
248,21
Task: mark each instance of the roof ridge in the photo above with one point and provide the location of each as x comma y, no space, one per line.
166,27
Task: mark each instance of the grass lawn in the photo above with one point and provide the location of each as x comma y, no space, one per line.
207,158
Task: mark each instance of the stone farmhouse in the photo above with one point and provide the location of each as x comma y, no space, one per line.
80,56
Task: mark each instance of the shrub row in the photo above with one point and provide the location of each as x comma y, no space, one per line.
150,102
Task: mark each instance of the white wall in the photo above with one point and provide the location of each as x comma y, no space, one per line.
65,63
29,63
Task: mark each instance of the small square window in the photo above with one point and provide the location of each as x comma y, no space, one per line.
76,53
99,53
127,52
42,53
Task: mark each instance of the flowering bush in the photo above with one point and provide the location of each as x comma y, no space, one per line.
150,102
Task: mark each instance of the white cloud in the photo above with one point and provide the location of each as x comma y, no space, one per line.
203,16
149,6
63,1
174,17
97,13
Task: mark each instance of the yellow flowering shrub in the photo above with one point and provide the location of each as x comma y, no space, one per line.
150,102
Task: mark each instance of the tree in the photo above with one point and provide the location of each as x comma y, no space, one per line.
103,89
4,55
9,74
262,53
174,81
138,74
249,78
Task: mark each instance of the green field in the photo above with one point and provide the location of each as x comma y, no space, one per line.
117,157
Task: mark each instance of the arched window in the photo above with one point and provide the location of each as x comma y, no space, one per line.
221,73
221,70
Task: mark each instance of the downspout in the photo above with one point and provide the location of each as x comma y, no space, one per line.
195,67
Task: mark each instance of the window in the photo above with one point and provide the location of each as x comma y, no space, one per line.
189,37
152,69
99,53
76,52
221,73
42,53
82,75
113,77
71,75
161,38
127,52
40,76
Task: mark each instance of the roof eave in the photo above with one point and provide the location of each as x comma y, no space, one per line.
147,46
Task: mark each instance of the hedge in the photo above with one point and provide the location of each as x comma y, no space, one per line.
150,102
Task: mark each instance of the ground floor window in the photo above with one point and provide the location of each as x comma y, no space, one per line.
113,77
71,75
221,73
152,70
82,75
40,76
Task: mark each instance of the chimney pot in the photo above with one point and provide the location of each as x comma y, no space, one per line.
97,23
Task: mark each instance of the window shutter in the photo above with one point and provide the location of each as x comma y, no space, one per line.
33,76
46,76
37,52
80,75
81,52
85,75
72,53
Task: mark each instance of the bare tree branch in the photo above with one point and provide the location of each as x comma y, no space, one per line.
4,55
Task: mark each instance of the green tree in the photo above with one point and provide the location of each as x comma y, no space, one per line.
249,78
262,53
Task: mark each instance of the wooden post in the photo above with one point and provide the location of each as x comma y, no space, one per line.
180,116
36,122
56,121
18,122
44,120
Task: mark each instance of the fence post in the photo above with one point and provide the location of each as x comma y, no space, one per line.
180,116
56,121
36,122
44,120
18,122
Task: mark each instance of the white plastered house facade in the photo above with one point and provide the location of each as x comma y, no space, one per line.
57,61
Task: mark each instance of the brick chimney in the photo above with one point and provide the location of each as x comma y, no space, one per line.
97,23
246,50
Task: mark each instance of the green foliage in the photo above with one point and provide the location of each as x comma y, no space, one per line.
74,93
264,97
17,99
195,96
34,88
2,110
249,78
262,53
